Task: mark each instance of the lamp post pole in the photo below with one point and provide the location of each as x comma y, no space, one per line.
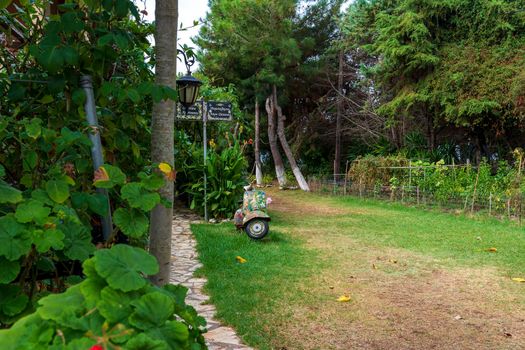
205,141
188,89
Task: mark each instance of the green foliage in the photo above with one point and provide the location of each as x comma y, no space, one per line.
225,170
49,203
443,183
115,305
249,43
460,61
49,224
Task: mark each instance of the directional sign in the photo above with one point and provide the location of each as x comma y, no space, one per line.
193,113
219,111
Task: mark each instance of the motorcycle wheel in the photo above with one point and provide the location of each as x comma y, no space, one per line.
257,228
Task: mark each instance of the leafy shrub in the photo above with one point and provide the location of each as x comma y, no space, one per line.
44,231
226,176
49,195
290,178
368,170
114,306
444,183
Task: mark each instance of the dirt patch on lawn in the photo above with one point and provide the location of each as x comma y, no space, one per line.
400,299
439,309
296,205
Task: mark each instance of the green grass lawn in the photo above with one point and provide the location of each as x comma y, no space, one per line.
315,242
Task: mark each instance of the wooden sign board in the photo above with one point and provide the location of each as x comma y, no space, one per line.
219,111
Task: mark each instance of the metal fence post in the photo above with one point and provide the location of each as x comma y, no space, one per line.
490,204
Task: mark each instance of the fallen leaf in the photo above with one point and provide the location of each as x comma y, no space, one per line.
518,279
331,287
478,238
374,266
507,334
240,259
458,317
344,298
393,261
165,168
492,250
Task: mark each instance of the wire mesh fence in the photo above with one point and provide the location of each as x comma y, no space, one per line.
470,200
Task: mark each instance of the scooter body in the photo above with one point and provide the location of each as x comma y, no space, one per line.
253,216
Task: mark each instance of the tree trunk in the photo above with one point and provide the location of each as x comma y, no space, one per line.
162,130
258,170
286,147
337,160
272,139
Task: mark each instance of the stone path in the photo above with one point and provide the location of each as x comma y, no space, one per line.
185,261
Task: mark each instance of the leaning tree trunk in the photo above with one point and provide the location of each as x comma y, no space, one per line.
166,16
272,139
337,160
286,147
258,170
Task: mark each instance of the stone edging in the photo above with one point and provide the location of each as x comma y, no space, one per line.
184,261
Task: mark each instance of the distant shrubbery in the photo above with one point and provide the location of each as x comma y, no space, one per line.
498,183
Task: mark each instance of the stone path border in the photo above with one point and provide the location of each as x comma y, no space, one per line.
185,261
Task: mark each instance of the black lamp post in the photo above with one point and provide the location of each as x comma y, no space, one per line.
188,86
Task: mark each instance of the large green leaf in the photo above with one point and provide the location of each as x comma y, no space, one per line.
34,128
124,266
51,57
66,308
70,55
177,293
9,194
152,310
110,176
47,239
122,7
151,182
79,200
58,190
32,210
71,23
114,305
93,285
77,241
174,333
132,222
15,240
8,270
137,197
30,332
98,203
143,342
12,300
42,196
